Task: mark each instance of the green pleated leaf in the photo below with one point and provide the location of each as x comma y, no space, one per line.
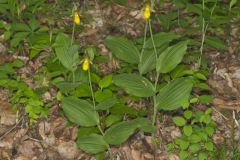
215,42
123,49
93,144
67,86
17,38
121,109
106,104
112,119
21,27
105,82
171,57
121,2
160,39
144,124
232,3
134,84
80,112
119,133
172,95
195,8
66,53
148,61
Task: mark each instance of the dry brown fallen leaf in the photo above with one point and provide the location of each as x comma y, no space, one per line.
226,104
4,154
7,117
7,142
30,149
21,158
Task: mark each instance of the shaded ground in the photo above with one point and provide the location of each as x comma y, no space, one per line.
50,139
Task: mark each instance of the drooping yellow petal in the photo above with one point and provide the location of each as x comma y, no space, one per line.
85,65
147,12
76,18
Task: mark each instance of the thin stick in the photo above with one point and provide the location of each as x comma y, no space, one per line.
10,130
220,113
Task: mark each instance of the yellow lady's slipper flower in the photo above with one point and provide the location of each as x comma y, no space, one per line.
76,18
86,64
147,12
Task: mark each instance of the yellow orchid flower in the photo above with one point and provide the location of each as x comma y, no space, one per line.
147,12
76,18
86,64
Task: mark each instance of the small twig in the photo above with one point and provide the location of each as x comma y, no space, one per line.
235,120
220,113
39,141
10,130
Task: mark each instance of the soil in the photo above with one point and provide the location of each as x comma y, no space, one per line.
52,139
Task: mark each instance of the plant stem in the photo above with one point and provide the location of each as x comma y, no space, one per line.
110,153
100,129
203,35
204,30
179,17
154,102
73,73
232,154
94,105
153,43
144,41
202,43
73,31
91,88
93,99
157,77
109,149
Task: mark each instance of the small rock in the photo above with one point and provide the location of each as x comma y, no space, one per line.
50,139
68,150
175,133
236,74
47,96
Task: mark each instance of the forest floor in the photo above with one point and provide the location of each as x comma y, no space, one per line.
51,139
